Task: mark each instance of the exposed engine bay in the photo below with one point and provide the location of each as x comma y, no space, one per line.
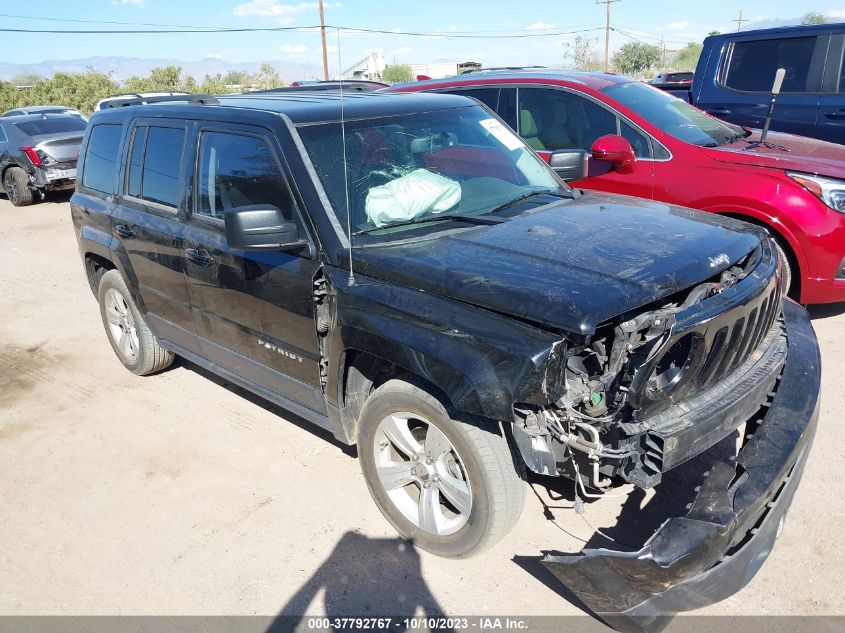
630,392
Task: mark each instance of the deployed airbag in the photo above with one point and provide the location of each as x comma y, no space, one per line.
418,193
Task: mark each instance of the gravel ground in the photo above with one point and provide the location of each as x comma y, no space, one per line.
180,494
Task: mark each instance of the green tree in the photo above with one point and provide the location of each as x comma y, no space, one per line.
687,57
814,17
26,79
268,77
213,85
581,54
636,58
398,73
160,79
237,77
714,33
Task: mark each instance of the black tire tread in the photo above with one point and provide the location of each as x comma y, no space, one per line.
153,357
24,193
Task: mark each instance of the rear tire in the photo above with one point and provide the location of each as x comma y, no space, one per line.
466,469
132,341
16,185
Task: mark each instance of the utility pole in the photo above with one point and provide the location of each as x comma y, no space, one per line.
323,38
739,21
606,3
663,48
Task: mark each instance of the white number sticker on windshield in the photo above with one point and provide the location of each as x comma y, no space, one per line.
501,133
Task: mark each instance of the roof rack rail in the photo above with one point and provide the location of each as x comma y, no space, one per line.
141,100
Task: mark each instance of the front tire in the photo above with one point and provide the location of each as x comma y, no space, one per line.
447,483
130,337
16,185
789,284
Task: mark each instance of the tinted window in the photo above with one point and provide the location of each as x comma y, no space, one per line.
672,115
135,158
842,75
3,138
53,125
238,171
752,65
555,119
162,157
637,140
487,96
507,106
101,157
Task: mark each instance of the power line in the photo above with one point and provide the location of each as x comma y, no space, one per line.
440,35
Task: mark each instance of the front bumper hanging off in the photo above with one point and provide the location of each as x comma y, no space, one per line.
730,528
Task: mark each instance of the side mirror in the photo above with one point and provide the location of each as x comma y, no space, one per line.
569,164
615,150
261,227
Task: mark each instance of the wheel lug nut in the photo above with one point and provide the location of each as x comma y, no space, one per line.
428,460
415,457
426,485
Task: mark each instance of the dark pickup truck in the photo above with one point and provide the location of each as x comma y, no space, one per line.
405,272
735,72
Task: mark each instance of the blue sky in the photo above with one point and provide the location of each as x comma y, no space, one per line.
647,20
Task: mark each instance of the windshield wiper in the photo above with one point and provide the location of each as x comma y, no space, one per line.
477,219
530,194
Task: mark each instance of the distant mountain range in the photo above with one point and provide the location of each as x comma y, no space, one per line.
122,68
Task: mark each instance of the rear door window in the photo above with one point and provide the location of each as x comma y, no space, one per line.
487,96
154,162
752,64
101,157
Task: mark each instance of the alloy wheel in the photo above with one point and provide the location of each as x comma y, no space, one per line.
122,327
422,473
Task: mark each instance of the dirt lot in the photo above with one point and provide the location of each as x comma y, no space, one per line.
177,494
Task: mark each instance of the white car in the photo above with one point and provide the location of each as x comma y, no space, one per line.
143,96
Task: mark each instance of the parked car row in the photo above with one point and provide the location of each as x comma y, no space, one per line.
406,272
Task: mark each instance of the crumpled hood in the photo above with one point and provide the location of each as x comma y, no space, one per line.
569,266
808,155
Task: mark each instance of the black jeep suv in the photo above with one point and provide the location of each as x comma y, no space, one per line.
402,270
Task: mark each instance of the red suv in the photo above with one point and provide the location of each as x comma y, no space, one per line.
614,134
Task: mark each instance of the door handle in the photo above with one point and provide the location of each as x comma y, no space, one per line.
124,231
837,114
199,256
719,111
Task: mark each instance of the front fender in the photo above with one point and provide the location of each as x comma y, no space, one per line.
482,361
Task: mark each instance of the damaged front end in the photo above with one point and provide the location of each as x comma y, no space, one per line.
652,390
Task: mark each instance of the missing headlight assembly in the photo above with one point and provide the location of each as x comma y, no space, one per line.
637,398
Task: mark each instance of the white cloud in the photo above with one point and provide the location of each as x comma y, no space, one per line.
294,49
677,26
835,13
451,28
540,26
137,3
281,13
214,56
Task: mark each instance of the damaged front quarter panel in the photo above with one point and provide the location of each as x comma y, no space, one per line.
718,546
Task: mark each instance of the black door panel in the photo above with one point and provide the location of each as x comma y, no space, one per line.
257,305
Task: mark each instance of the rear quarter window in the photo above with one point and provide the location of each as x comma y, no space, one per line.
101,157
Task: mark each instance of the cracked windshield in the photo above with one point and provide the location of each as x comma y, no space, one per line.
460,165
